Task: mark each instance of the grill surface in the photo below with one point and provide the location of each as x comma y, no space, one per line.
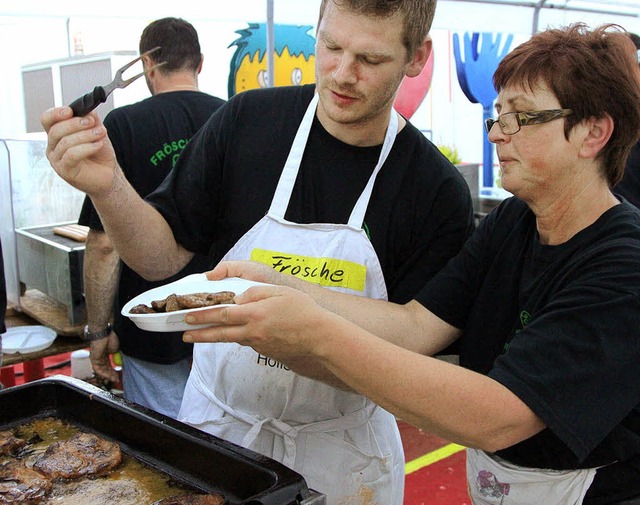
189,456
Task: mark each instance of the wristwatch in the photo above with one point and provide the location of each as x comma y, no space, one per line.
89,336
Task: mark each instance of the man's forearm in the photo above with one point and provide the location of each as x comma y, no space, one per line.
101,274
139,232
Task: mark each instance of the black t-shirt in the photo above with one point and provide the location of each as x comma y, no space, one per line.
420,211
558,326
629,186
148,137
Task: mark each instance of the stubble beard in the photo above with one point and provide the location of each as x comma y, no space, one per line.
365,109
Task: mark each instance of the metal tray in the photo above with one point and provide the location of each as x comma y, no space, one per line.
188,455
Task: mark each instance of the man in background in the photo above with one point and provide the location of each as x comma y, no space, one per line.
148,137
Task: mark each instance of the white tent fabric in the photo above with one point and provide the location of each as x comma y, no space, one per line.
623,8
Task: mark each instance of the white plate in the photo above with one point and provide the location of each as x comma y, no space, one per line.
174,321
26,339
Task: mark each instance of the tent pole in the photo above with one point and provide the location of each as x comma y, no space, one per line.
270,44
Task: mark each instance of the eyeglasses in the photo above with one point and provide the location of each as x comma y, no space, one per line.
511,122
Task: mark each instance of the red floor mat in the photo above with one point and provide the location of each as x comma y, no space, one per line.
440,483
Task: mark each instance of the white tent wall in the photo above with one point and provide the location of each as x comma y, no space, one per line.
36,32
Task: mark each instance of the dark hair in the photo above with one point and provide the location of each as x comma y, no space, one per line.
594,72
635,39
418,16
178,41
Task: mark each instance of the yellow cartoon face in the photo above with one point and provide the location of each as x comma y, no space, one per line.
293,62
288,70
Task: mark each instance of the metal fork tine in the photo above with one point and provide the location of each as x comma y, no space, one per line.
119,82
89,101
124,84
121,70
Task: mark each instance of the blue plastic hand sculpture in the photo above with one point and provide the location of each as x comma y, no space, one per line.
475,75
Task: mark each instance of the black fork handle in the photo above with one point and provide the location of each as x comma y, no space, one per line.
85,104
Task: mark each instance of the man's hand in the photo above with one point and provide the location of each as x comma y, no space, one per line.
79,150
99,355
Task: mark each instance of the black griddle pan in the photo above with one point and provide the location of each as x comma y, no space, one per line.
189,456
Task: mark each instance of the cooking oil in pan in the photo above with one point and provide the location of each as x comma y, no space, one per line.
132,483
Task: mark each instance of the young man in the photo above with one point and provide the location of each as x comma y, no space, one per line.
155,366
328,176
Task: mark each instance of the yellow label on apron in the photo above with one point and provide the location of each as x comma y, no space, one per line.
329,272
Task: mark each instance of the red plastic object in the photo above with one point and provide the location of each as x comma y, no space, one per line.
7,376
33,370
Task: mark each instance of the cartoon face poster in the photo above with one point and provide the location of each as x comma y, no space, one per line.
293,61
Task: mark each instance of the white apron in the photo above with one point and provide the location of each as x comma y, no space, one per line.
494,481
343,444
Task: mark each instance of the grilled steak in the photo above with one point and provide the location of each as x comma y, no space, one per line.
170,304
99,491
141,308
204,299
175,302
9,444
20,484
192,499
83,454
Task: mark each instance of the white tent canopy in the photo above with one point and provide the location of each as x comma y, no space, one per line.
624,8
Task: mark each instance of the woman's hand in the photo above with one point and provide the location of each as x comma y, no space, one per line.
276,321
253,271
